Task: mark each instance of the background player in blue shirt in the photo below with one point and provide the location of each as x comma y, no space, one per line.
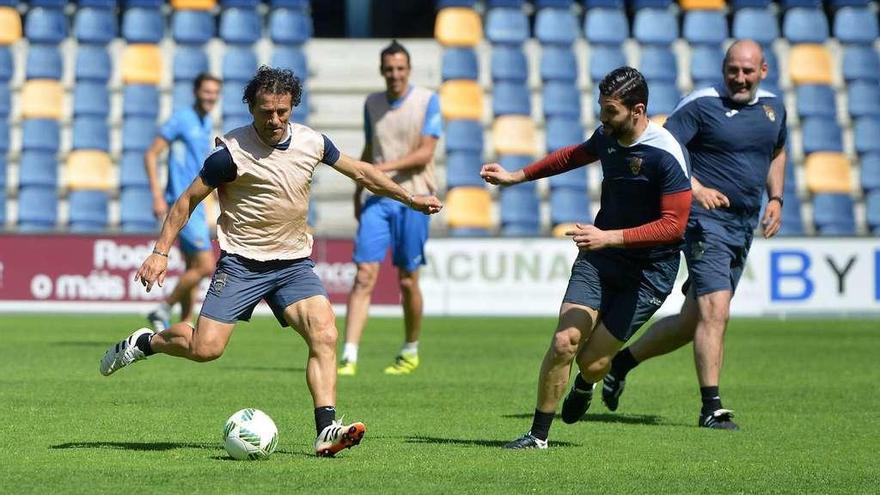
188,133
736,135
628,260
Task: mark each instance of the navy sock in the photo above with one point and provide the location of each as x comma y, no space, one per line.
143,343
623,363
711,399
582,386
323,417
541,424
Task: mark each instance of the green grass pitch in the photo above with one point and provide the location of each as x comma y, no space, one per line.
805,391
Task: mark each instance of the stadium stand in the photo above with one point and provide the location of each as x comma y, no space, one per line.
461,99
458,26
810,64
513,135
142,64
468,211
37,209
833,215
828,172
91,99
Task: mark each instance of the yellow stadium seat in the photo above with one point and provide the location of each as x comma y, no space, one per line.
701,4
659,119
10,25
42,99
461,99
193,4
458,26
142,64
513,135
828,172
469,208
809,64
90,170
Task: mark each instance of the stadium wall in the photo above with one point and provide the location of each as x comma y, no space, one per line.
491,277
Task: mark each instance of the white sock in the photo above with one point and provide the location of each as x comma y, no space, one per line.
410,348
350,352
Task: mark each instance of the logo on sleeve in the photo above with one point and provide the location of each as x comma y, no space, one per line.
771,114
635,165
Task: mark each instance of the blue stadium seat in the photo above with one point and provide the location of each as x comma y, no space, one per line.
131,170
194,27
142,25
140,100
136,210
231,122
230,103
792,219
604,59
507,25
833,214
595,99
573,179
805,25
611,4
39,134
861,63
290,26
816,100
556,26
43,62
5,102
560,4
240,3
651,4
869,175
2,180
790,4
37,209
239,63
463,169
91,133
91,99
509,64
856,26
240,26
103,4
94,25
155,4
836,4
866,131
38,168
653,26
705,27
561,132
737,5
821,134
606,26
93,63
505,3
561,99
511,98
558,63
772,67
293,58
663,97
706,63
520,209
45,25
570,205
51,4
7,66
298,4
758,24
189,62
182,95
468,232
464,135
658,63
459,63
138,133
864,99
4,137
88,211
872,212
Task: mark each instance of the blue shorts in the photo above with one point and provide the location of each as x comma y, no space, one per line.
385,222
240,283
716,253
195,235
626,293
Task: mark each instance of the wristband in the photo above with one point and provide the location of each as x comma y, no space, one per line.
160,253
776,198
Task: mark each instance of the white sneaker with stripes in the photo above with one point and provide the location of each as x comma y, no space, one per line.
123,353
337,436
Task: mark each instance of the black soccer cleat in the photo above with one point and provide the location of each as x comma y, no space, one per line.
527,441
612,388
720,419
576,404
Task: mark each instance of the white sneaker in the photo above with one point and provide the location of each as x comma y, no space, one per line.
123,353
337,437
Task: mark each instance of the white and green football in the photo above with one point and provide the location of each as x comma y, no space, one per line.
250,434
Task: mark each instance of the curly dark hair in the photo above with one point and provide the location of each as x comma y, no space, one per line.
625,84
273,80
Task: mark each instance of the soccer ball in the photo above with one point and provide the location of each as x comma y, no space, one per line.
250,434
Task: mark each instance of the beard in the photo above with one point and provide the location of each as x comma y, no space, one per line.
743,97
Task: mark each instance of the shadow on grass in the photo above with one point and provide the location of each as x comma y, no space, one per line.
284,369
473,442
136,446
627,419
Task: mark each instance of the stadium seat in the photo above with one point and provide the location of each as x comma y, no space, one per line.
706,64
10,26
231,122
663,98
558,4
708,27
461,99
816,100
468,207
864,99
866,130
293,58
836,4
828,172
805,25
230,103
290,4
505,3
182,95
856,26
142,25
290,26
772,67
195,27
88,210
833,214
556,26
604,59
193,4
790,4
102,4
702,4
136,210
561,99
94,25
860,63
141,64
93,63
758,24
89,169
91,99
569,205
4,137
45,25
573,179
458,26
39,134
38,168
513,135
655,26
507,25
5,102
138,133
464,135
91,133
511,98
41,99
869,175
658,63
7,66
792,220
140,100
240,26
821,135
43,62
131,170
463,169
606,26
561,132
37,209
2,208
459,63
872,212
558,63
509,64
809,64
239,63
189,62
520,209
651,4
611,4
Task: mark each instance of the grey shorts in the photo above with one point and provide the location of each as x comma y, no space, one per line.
240,283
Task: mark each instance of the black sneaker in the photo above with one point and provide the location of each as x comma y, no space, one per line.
527,441
612,388
576,404
720,419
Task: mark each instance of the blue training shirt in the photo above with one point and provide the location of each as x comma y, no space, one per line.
190,138
730,144
432,125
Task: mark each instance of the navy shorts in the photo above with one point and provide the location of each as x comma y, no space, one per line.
626,293
387,223
240,283
716,253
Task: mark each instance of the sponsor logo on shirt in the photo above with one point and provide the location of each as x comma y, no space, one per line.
731,113
771,114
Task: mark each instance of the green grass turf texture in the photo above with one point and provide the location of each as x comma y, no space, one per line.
806,391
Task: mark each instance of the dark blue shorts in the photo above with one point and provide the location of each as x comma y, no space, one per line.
240,283
387,223
716,253
626,293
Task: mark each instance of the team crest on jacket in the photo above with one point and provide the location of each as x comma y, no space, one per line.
635,165
771,114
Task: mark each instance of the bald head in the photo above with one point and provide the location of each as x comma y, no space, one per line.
744,69
745,50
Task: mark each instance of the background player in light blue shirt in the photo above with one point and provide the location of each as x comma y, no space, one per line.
188,132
